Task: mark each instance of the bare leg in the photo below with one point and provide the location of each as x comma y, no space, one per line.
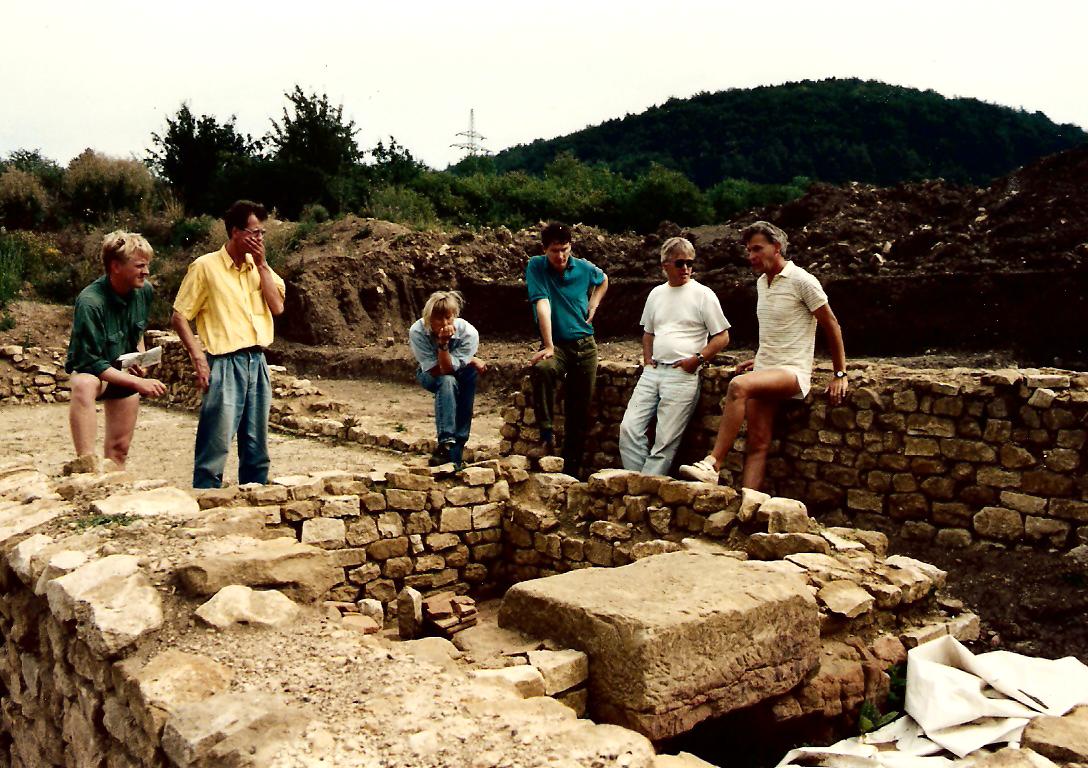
769,384
760,424
120,424
81,411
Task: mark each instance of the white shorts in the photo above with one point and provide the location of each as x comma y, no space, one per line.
804,378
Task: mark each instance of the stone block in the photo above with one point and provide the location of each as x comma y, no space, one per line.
561,670
750,502
235,604
845,598
524,679
640,625
340,506
409,613
301,571
999,523
787,516
1061,739
455,519
325,532
478,475
1068,509
486,516
776,546
462,495
409,501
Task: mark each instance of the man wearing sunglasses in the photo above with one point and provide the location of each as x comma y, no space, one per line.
790,303
683,327
232,295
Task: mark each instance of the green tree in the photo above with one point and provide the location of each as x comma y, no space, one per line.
193,153
315,134
665,195
394,164
98,186
32,161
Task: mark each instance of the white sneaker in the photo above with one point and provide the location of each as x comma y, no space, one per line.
701,471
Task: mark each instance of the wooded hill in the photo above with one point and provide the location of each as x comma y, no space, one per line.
831,130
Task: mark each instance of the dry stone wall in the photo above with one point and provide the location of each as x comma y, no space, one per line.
955,456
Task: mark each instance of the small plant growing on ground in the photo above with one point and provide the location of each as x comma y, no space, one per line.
92,521
870,719
399,427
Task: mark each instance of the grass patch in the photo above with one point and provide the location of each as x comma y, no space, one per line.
110,521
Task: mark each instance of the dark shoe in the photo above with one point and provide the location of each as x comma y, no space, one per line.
440,456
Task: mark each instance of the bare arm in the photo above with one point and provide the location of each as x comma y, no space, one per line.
544,322
270,291
715,344
648,350
192,346
595,299
829,324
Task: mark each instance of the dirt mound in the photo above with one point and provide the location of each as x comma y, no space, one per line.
356,281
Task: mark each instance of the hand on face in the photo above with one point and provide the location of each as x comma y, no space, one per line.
442,328
255,246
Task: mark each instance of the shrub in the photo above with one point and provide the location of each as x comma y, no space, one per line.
11,271
188,232
315,212
98,186
665,195
23,200
405,206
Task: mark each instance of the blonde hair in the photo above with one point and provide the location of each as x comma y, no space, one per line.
677,244
122,246
444,303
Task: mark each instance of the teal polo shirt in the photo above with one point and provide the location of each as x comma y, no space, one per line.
106,325
568,294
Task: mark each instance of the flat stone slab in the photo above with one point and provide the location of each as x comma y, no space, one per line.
675,638
298,570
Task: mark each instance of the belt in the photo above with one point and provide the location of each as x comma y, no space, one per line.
248,350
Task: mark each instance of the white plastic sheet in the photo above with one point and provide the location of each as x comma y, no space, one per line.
959,702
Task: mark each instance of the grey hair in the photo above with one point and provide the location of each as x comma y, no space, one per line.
769,231
445,303
121,246
677,244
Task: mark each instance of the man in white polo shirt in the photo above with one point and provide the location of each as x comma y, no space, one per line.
683,327
790,304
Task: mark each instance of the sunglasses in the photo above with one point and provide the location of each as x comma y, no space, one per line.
684,264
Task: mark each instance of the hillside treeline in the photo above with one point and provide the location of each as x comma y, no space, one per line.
831,130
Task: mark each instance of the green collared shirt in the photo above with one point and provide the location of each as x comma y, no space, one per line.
106,325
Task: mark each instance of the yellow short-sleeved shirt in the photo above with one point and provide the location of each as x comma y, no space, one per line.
226,303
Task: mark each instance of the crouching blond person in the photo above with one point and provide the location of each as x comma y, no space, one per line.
110,320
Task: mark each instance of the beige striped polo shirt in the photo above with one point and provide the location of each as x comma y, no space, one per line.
787,328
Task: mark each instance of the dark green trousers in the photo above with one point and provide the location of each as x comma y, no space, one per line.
576,363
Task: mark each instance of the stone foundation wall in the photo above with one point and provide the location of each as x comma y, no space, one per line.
872,606
955,456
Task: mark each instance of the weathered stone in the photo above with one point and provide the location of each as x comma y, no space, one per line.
717,499
408,481
461,495
999,523
787,516
874,541
153,503
236,604
756,639
1062,739
357,622
409,501
455,519
302,572
478,475
561,670
227,728
551,464
932,572
845,598
486,516
610,531
525,679
656,547
1056,532
610,482
1068,509
776,546
750,501
409,613
111,600
340,506
169,680
325,532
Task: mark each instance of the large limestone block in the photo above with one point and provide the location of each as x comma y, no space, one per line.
17,518
236,604
168,681
298,570
677,638
157,502
111,600
230,729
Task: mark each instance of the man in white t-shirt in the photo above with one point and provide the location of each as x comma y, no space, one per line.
683,328
790,304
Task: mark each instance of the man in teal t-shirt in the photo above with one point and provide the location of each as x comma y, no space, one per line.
565,293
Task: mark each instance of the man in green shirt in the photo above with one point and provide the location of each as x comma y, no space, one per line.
110,320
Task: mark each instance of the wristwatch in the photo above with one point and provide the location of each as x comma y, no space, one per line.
700,358
840,374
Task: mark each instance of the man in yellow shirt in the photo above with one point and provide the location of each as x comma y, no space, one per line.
232,295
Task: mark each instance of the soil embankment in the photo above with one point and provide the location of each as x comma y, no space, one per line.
909,269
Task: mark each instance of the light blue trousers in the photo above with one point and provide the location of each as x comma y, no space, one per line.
454,395
237,402
670,394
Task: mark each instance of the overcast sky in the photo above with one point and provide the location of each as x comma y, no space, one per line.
105,74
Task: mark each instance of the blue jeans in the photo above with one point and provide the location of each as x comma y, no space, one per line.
454,394
238,399
669,394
